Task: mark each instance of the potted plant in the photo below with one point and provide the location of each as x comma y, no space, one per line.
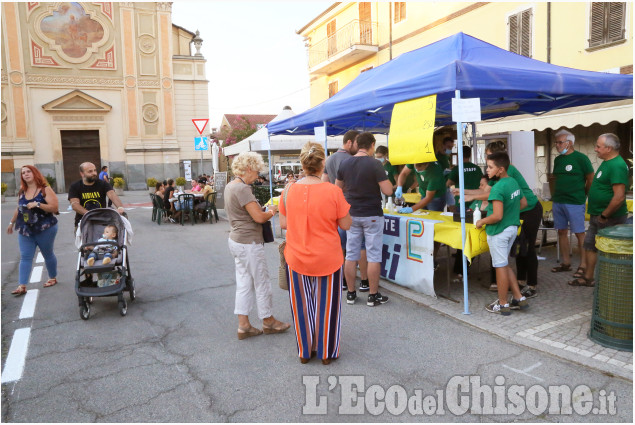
4,189
118,184
51,182
152,183
180,183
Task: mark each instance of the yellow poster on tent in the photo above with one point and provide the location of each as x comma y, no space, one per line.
411,131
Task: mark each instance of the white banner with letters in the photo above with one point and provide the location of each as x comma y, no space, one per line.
407,253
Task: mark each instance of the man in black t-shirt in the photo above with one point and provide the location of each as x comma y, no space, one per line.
363,179
90,193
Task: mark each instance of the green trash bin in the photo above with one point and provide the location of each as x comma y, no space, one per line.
612,316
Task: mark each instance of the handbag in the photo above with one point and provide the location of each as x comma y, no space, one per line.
267,231
283,282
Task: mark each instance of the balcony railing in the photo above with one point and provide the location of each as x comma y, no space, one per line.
355,33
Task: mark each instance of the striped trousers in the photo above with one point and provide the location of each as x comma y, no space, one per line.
316,309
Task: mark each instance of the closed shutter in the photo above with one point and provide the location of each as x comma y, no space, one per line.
400,11
332,40
513,33
597,24
617,12
607,23
332,88
525,47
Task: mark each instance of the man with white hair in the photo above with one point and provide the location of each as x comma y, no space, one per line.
607,199
569,184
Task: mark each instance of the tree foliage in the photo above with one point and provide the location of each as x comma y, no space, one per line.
240,131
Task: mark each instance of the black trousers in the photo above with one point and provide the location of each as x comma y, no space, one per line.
527,259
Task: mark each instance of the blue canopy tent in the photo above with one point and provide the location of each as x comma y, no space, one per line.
454,67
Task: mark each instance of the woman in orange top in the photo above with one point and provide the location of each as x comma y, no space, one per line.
311,214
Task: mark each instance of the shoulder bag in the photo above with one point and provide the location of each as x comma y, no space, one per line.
283,282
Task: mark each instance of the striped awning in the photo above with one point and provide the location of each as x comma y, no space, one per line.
600,113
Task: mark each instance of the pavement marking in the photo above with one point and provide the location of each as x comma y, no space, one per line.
28,305
526,370
39,258
14,366
36,274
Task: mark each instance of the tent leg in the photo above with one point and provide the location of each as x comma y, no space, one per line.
273,219
459,132
326,140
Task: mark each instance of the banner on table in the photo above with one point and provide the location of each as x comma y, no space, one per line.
407,253
411,131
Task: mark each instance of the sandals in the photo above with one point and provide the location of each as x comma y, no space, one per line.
247,333
278,327
21,290
579,272
50,282
561,268
582,281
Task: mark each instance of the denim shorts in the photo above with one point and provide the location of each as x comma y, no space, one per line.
500,245
595,226
371,229
342,234
565,215
437,204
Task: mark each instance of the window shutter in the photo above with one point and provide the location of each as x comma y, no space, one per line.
403,10
617,12
513,33
525,48
332,88
597,24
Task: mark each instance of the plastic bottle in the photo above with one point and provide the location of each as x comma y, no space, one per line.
389,205
476,216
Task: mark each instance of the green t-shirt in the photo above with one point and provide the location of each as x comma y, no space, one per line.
509,193
443,160
434,177
570,172
423,185
472,174
524,187
391,170
613,171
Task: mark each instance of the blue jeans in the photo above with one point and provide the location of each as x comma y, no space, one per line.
45,241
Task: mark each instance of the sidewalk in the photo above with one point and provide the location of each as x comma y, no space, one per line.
557,321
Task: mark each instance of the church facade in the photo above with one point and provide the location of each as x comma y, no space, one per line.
113,83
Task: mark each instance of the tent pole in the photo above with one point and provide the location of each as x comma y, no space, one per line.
273,223
459,133
326,139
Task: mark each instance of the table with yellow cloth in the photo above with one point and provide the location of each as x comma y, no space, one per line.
448,232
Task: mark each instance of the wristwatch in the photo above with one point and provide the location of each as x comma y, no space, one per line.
38,205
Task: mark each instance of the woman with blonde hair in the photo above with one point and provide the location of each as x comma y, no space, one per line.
246,245
311,211
35,221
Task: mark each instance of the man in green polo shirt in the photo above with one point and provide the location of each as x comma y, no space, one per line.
471,172
569,184
607,200
434,199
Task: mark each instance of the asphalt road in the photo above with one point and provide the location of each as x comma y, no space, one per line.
175,356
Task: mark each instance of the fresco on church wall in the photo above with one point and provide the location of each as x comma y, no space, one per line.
72,29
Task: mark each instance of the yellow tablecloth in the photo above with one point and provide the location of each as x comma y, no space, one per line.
449,232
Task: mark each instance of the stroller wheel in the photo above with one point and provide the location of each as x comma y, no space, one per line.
123,307
84,311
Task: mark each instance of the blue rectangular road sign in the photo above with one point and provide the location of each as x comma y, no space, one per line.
200,143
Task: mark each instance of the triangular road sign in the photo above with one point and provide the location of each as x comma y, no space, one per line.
200,124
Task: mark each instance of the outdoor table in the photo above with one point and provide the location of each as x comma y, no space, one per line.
448,232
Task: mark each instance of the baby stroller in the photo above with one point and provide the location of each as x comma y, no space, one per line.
103,280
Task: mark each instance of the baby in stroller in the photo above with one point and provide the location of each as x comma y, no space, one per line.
109,251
